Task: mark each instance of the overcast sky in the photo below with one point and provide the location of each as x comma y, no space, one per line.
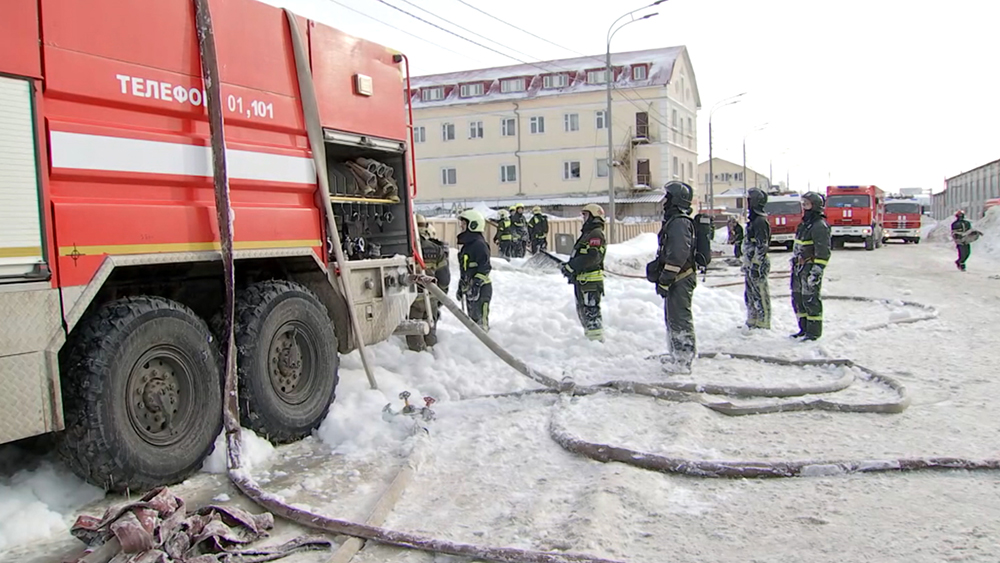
892,92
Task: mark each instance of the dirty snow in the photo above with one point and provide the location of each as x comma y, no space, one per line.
488,472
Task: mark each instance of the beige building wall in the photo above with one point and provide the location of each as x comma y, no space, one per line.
539,159
728,185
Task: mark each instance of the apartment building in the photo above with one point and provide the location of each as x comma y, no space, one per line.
540,131
728,185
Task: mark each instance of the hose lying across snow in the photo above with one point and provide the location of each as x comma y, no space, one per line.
688,392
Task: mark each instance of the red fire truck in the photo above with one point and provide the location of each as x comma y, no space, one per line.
855,214
902,220
110,271
784,212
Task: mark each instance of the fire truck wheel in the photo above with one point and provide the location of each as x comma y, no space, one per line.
142,395
916,240
789,246
288,360
870,243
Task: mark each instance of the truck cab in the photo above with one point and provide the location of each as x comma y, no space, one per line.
902,220
784,213
855,214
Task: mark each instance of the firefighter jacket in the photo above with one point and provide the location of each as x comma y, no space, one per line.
812,240
538,226
675,256
519,227
959,228
473,259
586,265
758,239
435,254
503,231
736,234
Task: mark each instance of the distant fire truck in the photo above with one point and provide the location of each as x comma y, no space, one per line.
784,212
110,271
902,220
856,214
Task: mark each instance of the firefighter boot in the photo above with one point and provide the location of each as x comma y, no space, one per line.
814,329
802,328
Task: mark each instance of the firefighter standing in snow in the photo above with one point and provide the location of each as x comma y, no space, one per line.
518,230
585,270
809,258
474,266
736,235
435,255
755,264
673,272
958,231
504,237
538,228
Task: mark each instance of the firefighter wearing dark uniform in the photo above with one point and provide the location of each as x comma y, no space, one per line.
810,256
538,229
676,280
585,270
755,264
504,236
958,230
518,230
474,267
435,255
735,236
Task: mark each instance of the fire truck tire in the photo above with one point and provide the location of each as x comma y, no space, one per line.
916,240
287,358
789,246
127,365
870,243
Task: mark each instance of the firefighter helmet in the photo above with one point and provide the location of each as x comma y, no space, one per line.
678,194
536,210
424,228
594,210
519,206
757,199
502,213
960,214
816,199
473,220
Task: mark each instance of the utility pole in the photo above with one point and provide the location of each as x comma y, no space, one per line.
711,161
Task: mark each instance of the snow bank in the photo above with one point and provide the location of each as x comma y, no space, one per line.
36,503
990,227
256,450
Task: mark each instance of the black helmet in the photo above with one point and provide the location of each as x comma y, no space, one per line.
817,200
757,199
678,195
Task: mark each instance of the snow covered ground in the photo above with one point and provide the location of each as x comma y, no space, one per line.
490,474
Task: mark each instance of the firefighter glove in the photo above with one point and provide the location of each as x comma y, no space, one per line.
474,290
566,270
463,288
815,276
663,283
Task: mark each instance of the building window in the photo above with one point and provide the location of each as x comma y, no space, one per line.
571,122
571,170
690,171
674,118
550,81
508,173
602,168
639,72
511,85
508,127
738,177
708,178
537,125
470,90
682,128
475,129
432,94
601,117
449,177
447,131
677,171
690,128
420,134
597,76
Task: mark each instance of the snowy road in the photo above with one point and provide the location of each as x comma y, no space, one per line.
489,473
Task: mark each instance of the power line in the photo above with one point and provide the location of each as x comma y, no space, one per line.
371,17
520,29
481,36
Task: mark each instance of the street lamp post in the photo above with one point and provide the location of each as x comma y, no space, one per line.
609,78
711,168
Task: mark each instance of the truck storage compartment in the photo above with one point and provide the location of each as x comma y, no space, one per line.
369,192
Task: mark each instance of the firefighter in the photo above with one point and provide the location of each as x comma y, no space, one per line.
755,264
435,255
735,236
673,272
503,237
519,230
585,270
958,231
810,256
538,229
474,286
